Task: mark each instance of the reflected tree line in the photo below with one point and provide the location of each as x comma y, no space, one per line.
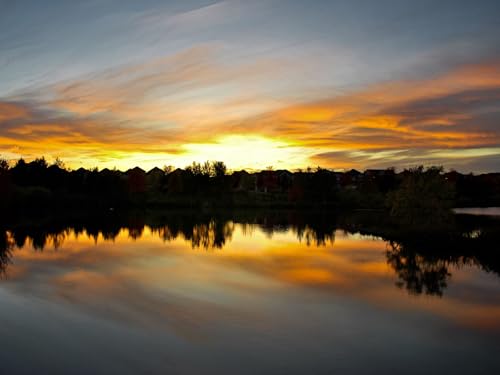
424,266
421,263
204,231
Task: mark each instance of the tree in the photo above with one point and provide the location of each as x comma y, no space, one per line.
207,169
4,165
195,169
40,163
416,272
20,173
59,163
219,169
4,180
168,169
423,200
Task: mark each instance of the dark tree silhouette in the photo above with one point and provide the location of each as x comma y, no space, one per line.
419,198
424,199
416,273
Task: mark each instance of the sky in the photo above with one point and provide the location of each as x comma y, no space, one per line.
288,84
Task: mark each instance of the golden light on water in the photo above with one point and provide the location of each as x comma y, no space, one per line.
353,265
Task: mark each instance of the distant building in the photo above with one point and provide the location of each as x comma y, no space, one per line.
154,179
136,179
452,176
175,181
81,171
242,181
374,173
285,179
351,178
106,172
268,181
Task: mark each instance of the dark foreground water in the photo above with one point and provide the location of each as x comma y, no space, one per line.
263,294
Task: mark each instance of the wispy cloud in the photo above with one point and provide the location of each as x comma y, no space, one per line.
161,108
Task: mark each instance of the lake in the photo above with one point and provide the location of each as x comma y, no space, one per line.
251,293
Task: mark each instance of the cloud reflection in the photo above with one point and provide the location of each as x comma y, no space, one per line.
186,272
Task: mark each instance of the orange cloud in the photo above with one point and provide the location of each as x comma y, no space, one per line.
157,112
11,111
168,89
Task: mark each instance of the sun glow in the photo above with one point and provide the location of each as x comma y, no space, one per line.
248,152
253,152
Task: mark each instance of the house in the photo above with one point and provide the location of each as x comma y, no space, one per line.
452,176
136,180
351,178
175,181
106,172
296,192
154,179
267,181
242,181
81,171
285,179
374,173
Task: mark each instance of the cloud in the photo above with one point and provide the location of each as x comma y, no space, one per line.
448,110
382,124
12,111
161,108
154,107
198,18
471,159
156,90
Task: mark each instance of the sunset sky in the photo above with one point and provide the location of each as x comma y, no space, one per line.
289,84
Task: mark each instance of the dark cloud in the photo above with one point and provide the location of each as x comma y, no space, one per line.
452,108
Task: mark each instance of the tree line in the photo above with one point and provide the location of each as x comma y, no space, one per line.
39,185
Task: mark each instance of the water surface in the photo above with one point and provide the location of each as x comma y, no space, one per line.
266,295
487,211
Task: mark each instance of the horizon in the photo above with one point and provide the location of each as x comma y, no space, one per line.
61,164
341,84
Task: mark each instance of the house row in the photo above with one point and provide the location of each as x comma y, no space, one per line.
274,181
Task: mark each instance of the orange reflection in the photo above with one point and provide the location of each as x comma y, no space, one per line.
163,275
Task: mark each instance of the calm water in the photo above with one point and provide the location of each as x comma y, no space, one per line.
489,211
260,295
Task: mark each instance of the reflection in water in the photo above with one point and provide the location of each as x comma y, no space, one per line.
417,273
249,294
210,235
6,245
420,265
